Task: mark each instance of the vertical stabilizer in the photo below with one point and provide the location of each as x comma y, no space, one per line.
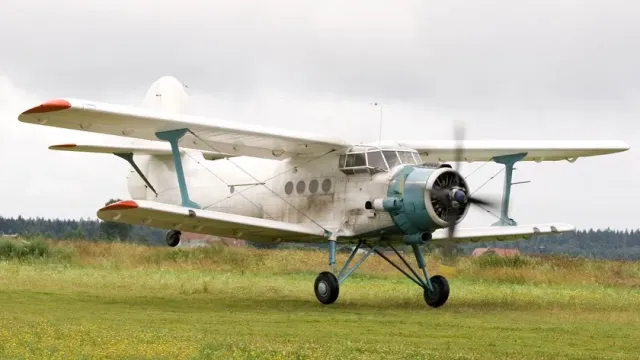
167,94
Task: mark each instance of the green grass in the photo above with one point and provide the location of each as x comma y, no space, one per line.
115,301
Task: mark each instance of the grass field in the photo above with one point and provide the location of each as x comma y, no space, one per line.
77,300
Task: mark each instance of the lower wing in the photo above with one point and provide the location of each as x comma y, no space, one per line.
174,217
499,233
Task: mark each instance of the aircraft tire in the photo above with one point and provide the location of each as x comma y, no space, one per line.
326,288
173,238
440,293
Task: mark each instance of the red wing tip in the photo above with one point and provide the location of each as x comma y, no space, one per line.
49,106
62,146
121,205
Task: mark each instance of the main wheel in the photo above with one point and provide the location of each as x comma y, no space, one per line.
326,288
440,293
173,238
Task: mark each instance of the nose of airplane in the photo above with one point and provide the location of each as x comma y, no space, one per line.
459,196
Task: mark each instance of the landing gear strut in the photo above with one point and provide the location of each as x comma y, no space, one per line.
327,285
173,238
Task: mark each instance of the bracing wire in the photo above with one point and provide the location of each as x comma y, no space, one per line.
271,178
481,186
212,173
254,178
476,169
486,182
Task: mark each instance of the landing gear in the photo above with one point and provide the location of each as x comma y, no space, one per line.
440,293
326,288
327,285
173,238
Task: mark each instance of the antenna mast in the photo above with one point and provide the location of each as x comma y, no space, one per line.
380,130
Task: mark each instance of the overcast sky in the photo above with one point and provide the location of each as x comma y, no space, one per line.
507,69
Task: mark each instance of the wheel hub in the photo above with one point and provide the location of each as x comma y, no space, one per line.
433,294
322,288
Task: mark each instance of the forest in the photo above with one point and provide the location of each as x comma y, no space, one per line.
598,244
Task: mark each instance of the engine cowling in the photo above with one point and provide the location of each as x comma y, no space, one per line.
419,199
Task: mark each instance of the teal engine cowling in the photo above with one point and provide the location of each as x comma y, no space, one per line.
420,198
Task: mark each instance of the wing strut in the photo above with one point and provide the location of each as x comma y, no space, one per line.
173,136
508,161
129,158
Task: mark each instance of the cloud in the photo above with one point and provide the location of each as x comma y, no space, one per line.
536,70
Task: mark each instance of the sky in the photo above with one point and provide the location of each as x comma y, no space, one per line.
506,70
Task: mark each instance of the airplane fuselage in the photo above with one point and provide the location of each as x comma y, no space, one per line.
302,190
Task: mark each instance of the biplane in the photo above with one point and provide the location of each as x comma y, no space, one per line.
210,176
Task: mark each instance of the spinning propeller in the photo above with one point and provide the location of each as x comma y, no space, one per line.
451,194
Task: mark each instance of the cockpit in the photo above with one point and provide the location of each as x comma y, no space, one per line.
373,159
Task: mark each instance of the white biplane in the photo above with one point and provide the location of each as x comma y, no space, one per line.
263,184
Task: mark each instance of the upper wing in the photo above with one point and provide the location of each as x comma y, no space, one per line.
151,149
535,150
212,135
500,233
173,217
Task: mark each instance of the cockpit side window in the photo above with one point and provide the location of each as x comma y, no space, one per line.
375,160
392,158
358,159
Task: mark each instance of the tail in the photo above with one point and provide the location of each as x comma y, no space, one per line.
167,94
150,175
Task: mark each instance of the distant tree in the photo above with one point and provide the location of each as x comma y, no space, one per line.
110,230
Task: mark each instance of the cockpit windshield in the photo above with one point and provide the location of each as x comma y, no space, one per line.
372,159
392,158
406,157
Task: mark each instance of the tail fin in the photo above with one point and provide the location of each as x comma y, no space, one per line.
150,172
167,94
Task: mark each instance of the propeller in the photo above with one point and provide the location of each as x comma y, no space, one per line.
451,194
454,197
457,195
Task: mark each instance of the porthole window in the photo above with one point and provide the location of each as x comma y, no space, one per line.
313,186
300,187
288,188
326,185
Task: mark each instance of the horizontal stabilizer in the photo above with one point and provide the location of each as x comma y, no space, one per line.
174,217
151,149
500,233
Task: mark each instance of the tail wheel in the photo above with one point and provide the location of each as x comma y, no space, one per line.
173,238
440,293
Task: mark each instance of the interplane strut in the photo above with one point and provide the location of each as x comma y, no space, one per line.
173,136
508,161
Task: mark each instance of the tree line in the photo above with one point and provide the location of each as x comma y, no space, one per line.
592,243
